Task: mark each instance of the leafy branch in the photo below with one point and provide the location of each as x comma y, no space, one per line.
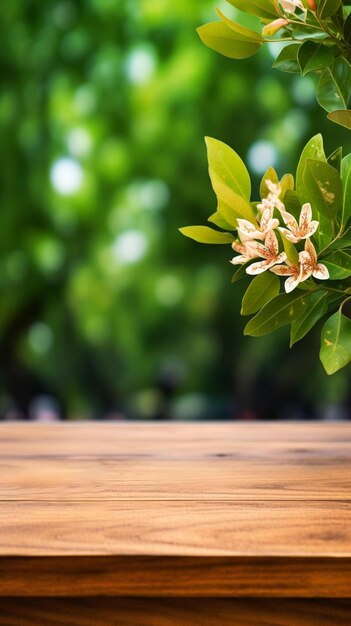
320,36
285,241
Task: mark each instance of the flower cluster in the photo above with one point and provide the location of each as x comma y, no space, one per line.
299,230
271,214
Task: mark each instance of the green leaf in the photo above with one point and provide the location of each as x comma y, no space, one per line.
338,264
334,86
325,232
276,313
286,60
226,164
343,118
286,184
326,8
230,178
246,34
304,31
347,29
339,244
219,37
318,306
270,174
335,350
239,273
346,181
324,187
204,234
265,9
289,249
218,220
230,214
261,290
313,150
314,56
292,203
335,158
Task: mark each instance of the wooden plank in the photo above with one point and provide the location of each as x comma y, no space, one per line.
158,612
184,509
250,541
164,576
165,439
112,479
170,461
245,529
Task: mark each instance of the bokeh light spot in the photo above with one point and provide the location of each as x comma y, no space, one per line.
79,142
140,65
40,338
169,290
66,176
303,90
130,247
262,155
149,194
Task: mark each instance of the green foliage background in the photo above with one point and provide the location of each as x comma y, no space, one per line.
127,92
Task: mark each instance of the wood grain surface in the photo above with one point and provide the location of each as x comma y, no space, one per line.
175,577
187,509
184,612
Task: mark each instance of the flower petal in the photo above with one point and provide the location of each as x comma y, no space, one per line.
305,273
260,235
243,238
306,265
265,204
321,272
304,258
305,216
291,283
280,258
239,247
311,229
254,249
247,228
290,6
273,187
279,205
266,217
289,235
271,243
310,249
239,260
258,268
289,220
283,270
272,224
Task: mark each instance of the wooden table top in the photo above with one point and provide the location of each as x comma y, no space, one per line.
225,509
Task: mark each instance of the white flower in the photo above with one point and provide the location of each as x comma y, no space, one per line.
290,6
305,267
295,272
308,260
302,230
272,200
269,252
252,231
274,188
245,253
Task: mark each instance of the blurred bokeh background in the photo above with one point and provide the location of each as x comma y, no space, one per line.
106,310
